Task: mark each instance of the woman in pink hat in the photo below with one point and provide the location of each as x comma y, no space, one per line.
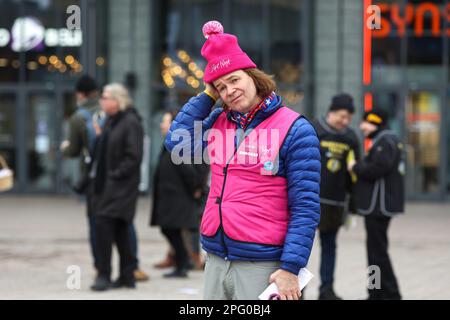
263,208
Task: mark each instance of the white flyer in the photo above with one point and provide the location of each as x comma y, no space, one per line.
271,292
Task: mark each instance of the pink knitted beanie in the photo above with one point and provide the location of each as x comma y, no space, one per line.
222,52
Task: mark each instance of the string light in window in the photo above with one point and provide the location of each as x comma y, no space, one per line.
100,61
69,59
53,60
43,60
172,70
32,65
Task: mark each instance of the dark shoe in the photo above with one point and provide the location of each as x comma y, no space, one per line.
121,283
101,284
329,295
168,262
381,297
177,273
190,266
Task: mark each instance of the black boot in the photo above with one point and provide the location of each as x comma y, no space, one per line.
329,295
101,284
177,273
124,283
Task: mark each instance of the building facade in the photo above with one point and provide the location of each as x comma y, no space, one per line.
315,49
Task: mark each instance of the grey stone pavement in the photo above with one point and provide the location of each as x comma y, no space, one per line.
41,236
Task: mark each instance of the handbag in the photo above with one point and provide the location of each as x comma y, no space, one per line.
6,176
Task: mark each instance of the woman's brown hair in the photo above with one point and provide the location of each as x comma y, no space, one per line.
264,83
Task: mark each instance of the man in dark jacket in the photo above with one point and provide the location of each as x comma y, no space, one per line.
338,145
379,196
77,145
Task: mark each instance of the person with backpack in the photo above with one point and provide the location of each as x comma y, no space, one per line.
83,130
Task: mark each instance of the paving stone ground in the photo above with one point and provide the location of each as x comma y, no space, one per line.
40,237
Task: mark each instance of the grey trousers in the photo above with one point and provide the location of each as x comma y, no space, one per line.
236,280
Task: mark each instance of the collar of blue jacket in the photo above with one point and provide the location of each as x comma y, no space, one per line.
260,116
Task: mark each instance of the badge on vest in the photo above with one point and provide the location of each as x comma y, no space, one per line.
268,166
333,165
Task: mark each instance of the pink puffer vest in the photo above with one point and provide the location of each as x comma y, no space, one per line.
246,197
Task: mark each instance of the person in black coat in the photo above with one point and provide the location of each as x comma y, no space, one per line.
177,190
379,195
338,145
115,176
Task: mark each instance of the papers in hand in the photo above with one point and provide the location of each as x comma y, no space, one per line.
271,292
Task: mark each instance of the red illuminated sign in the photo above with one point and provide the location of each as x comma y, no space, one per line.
412,15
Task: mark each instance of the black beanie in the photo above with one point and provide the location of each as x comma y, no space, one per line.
378,117
342,101
86,85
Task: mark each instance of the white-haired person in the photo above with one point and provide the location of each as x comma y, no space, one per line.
115,175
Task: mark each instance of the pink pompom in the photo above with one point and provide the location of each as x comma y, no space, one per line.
212,27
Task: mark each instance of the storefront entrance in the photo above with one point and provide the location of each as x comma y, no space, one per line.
418,116
31,128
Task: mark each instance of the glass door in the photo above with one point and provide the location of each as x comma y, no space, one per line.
447,148
41,142
423,135
8,131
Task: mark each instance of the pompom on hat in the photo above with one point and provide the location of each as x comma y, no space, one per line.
222,52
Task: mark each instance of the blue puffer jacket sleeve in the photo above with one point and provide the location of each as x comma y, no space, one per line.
303,166
185,134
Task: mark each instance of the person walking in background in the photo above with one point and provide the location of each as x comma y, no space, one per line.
115,176
338,145
379,195
263,207
177,188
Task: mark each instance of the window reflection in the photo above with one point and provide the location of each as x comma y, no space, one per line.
57,57
285,41
9,59
279,48
41,142
32,34
423,134
386,45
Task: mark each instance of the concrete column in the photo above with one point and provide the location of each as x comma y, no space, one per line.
129,48
129,52
338,52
